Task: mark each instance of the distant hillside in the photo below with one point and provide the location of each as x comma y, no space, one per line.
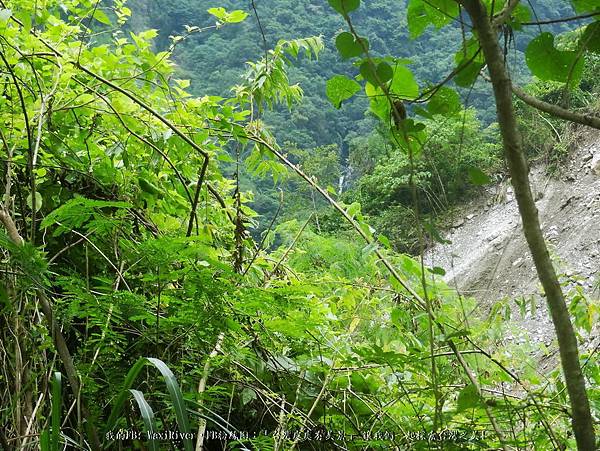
214,60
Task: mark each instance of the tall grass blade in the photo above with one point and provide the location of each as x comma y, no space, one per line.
174,393
124,394
148,417
177,399
56,410
45,440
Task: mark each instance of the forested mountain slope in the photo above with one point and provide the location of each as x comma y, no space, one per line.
214,60
360,160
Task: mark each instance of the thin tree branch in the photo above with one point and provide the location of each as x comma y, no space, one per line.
345,214
288,250
504,15
262,241
555,110
564,19
141,138
29,141
196,197
85,238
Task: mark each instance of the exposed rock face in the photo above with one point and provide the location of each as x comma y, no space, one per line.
488,256
595,165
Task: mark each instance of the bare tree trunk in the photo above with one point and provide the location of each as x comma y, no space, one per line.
567,341
557,111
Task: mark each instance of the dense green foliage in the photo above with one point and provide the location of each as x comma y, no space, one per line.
214,62
127,208
441,174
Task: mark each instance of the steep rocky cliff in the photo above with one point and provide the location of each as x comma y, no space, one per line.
487,256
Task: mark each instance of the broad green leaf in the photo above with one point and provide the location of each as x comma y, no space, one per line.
148,186
368,71
378,74
423,112
421,13
248,395
412,127
445,101
149,34
441,12
38,201
369,249
591,37
101,17
468,398
182,83
410,136
220,13
85,98
385,241
344,6
25,17
403,83
384,72
548,63
366,228
522,13
468,74
410,266
379,103
438,270
417,18
469,62
435,233
237,16
350,47
478,177
397,316
340,88
228,17
353,209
